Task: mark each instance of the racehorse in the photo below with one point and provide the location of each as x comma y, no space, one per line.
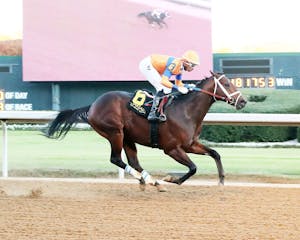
110,117
152,19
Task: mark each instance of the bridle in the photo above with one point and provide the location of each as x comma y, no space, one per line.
229,96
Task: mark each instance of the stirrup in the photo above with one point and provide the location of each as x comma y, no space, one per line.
162,118
153,117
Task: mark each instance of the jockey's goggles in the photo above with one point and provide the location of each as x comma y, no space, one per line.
191,64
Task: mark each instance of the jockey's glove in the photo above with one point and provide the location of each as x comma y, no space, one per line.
183,90
190,86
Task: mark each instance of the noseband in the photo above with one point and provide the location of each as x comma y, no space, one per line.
229,96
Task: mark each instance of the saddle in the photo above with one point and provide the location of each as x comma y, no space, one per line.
141,102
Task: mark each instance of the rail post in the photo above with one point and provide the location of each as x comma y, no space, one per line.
4,150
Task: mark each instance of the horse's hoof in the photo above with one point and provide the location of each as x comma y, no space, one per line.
171,179
160,187
142,184
221,184
168,178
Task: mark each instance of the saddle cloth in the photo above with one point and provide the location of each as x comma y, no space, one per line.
141,103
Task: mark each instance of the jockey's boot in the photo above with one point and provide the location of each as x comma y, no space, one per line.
153,112
162,116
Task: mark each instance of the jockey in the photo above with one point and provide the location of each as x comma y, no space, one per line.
158,70
157,12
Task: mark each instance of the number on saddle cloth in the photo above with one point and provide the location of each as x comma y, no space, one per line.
141,102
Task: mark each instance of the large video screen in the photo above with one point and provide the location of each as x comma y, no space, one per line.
95,40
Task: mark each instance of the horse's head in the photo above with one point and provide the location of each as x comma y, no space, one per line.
226,91
164,14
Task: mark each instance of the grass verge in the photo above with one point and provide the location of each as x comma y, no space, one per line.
86,154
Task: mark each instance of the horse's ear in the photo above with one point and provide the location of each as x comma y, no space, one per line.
212,73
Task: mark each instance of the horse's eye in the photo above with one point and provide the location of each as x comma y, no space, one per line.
227,85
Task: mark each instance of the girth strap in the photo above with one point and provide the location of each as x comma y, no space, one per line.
154,134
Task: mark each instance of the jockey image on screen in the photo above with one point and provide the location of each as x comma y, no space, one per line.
156,13
158,69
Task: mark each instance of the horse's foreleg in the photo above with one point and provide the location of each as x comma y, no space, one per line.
180,156
215,155
199,148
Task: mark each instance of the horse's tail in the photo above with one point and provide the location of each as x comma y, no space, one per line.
63,122
142,14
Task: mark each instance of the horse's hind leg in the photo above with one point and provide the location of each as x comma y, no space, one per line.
131,154
116,143
134,165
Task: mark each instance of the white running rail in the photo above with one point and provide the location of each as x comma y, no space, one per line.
246,119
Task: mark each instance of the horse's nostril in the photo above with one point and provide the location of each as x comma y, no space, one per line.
243,102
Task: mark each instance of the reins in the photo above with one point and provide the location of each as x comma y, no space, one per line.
229,97
210,93
197,90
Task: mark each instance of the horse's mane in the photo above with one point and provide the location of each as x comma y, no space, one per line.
199,84
184,97
202,82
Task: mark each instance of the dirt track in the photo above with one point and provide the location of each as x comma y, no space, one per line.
68,210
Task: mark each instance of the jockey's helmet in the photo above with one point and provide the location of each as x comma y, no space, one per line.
191,56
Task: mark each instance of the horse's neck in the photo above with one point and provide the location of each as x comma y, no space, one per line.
194,108
198,106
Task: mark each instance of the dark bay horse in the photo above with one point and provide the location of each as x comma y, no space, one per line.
179,135
153,19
